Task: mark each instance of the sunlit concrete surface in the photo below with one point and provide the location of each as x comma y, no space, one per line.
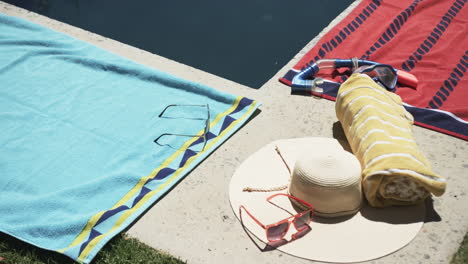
195,220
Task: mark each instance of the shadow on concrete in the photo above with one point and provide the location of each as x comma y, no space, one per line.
431,213
339,134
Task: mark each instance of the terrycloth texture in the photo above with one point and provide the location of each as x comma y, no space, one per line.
378,129
427,38
77,159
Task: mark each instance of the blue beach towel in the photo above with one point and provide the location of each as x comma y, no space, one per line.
78,157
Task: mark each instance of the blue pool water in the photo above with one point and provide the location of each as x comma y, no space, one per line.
246,41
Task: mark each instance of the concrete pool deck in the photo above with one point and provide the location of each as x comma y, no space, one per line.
195,221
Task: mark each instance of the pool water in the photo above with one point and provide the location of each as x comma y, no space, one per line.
246,41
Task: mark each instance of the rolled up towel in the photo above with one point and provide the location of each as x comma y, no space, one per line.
379,131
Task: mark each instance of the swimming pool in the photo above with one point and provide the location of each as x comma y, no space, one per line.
246,41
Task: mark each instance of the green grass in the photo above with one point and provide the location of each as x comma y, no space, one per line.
461,257
119,250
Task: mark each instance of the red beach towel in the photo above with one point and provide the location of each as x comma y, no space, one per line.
428,38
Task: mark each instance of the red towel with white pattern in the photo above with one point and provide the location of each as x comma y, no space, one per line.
428,38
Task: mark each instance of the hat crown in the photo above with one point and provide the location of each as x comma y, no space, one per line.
329,170
330,180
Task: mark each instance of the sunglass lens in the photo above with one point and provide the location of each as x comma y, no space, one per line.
277,232
386,76
302,221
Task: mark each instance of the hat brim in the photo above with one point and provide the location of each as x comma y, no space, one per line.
369,234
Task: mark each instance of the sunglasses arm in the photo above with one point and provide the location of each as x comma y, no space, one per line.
253,217
292,197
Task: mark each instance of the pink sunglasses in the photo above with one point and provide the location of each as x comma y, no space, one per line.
277,231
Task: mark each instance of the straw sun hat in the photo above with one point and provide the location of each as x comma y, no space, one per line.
319,171
330,179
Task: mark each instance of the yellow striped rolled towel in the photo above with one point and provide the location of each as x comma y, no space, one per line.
379,131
